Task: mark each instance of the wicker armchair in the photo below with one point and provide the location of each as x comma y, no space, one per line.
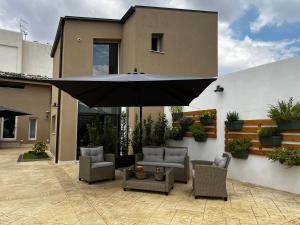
209,180
96,171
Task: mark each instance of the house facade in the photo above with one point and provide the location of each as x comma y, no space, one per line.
147,39
24,93
21,56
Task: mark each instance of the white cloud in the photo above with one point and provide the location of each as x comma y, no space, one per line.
236,54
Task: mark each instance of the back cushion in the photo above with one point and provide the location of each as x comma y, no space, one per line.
175,155
153,154
220,161
95,153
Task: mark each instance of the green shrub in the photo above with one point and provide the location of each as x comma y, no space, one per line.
185,123
287,157
39,148
232,116
176,109
206,115
175,133
159,131
148,131
239,145
268,132
284,111
135,137
198,132
123,133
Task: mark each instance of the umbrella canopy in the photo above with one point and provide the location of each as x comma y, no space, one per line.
133,89
5,111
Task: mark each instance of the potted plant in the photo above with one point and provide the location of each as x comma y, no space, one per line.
198,132
233,122
185,123
176,133
206,118
270,136
286,114
176,112
285,156
239,148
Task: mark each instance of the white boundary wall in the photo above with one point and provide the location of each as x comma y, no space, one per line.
249,92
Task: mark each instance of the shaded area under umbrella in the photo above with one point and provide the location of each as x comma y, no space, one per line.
135,89
5,112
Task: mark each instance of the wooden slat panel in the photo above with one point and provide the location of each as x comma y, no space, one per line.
291,138
257,122
198,112
246,130
250,136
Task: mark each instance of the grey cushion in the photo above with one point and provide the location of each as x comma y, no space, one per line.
95,153
161,164
153,154
220,161
101,164
175,155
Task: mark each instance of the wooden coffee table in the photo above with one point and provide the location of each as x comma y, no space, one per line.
148,184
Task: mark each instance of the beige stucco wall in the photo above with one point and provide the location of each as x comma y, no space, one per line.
34,99
189,46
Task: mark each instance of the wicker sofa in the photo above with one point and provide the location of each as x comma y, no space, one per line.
209,178
96,166
166,157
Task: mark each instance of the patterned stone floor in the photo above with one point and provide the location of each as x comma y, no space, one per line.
45,193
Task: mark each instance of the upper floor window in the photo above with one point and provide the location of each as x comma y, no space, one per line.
156,42
105,58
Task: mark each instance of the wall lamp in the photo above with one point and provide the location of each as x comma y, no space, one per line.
219,89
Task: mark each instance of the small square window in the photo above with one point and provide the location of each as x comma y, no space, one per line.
156,42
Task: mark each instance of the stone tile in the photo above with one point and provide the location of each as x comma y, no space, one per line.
45,193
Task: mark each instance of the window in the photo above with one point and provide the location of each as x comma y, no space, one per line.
9,128
156,43
32,129
105,58
53,124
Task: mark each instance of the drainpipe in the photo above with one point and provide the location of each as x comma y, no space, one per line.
59,91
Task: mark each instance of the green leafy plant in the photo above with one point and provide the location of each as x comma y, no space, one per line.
148,131
239,145
198,132
110,137
39,148
175,133
176,109
284,111
185,123
268,132
95,132
287,157
135,137
123,133
207,115
159,131
232,116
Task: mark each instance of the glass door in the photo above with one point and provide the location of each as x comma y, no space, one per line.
9,128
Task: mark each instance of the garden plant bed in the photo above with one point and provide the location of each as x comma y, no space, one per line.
30,156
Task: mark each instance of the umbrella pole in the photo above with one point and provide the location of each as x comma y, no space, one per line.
141,127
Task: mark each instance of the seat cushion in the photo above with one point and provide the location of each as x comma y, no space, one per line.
220,161
95,153
101,164
175,155
151,154
161,164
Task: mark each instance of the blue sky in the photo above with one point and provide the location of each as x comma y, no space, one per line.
251,32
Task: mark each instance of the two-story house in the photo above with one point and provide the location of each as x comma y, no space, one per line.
150,39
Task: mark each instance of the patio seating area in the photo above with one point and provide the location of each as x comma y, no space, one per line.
46,193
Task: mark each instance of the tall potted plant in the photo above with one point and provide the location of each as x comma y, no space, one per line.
270,136
233,122
239,148
176,112
286,114
198,132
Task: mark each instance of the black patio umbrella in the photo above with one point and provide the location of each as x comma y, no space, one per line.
5,111
135,89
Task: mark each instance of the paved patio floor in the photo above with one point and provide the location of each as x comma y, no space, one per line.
45,193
